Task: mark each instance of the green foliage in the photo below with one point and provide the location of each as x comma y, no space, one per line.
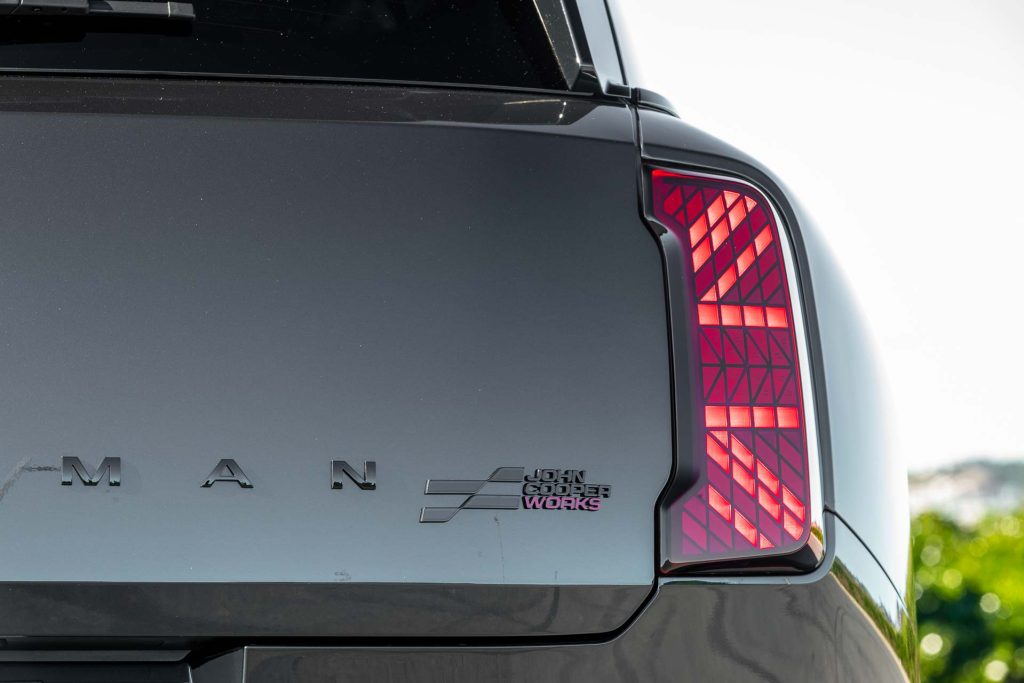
970,598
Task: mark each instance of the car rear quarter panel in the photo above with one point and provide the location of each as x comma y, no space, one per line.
865,485
865,478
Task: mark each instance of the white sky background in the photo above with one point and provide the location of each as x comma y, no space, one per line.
900,124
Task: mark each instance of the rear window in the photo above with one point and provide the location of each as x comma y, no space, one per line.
487,42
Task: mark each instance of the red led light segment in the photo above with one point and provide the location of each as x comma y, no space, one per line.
754,487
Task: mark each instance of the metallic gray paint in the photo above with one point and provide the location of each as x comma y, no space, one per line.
185,213
563,114
435,298
870,475
691,631
443,299
151,615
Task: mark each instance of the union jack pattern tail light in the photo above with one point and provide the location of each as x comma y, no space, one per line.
753,493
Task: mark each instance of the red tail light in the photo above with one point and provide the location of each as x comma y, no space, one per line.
752,471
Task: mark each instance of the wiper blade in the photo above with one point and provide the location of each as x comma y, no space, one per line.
119,9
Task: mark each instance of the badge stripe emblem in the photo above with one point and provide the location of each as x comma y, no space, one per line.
472,488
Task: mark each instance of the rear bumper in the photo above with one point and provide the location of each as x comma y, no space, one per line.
847,624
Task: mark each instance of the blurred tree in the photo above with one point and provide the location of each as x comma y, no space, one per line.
970,598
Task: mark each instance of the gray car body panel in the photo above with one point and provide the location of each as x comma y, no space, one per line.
433,279
691,631
442,299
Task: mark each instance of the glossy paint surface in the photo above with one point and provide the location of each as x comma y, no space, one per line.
445,282
466,290
805,631
161,615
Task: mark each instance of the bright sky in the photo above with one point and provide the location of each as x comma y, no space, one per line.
900,124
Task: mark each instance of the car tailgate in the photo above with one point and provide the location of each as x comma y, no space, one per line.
208,280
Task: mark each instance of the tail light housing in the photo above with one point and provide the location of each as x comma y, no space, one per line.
746,492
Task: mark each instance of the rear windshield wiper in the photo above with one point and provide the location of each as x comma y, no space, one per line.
113,9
